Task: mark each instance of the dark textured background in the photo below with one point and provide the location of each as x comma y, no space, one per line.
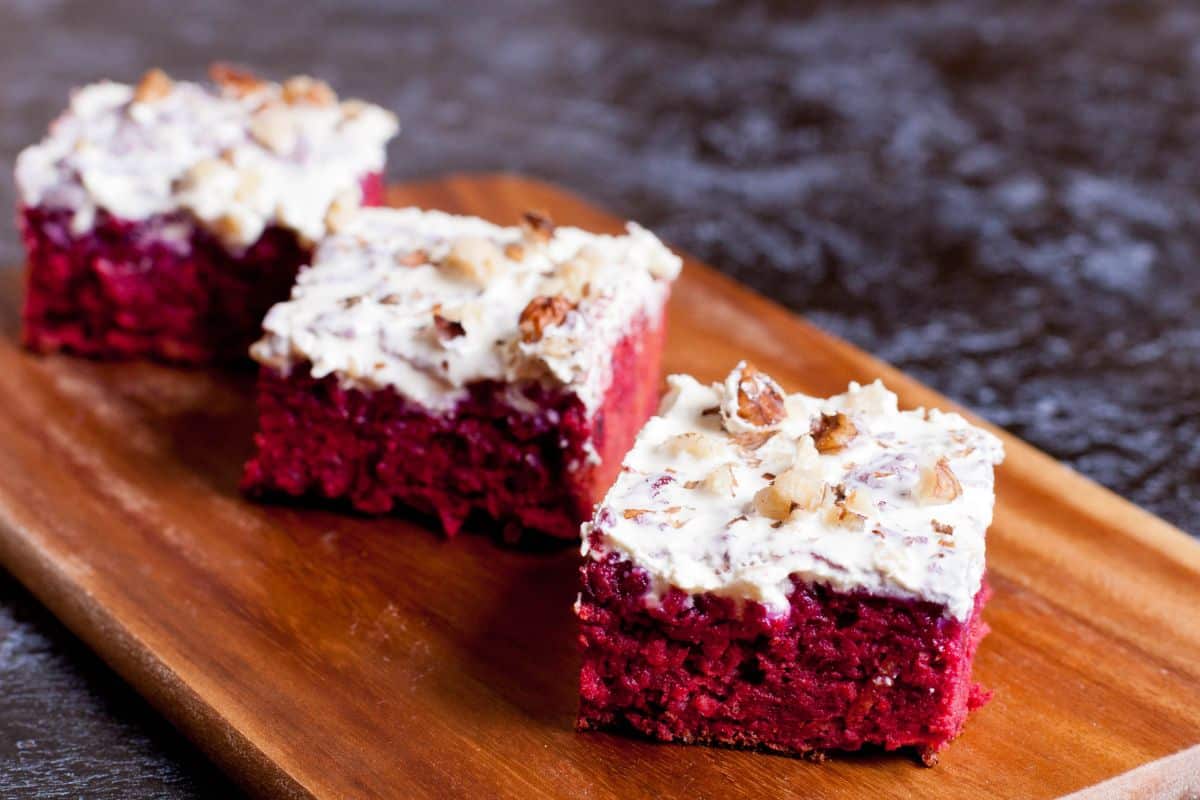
1000,197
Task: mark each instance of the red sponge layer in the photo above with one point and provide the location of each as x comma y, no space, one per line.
522,470
159,288
838,672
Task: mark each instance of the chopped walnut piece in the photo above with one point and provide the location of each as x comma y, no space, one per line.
720,481
474,259
759,398
541,313
753,440
772,503
413,258
275,129
154,85
448,329
832,432
942,527
791,490
537,225
577,276
303,90
938,484
692,443
514,251
839,514
342,209
860,502
235,80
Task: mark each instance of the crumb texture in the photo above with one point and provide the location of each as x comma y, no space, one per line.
838,672
157,288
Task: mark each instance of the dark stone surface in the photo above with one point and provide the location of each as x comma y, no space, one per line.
1000,197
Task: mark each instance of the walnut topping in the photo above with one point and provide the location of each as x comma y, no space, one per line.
541,313
473,259
942,527
759,398
342,209
720,481
577,276
832,432
154,85
692,443
303,90
446,328
235,80
791,490
514,251
537,225
938,484
413,258
844,517
859,501
275,129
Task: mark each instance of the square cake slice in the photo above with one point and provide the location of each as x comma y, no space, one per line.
789,573
162,220
460,368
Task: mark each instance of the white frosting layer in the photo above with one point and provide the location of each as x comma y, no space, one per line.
898,509
238,159
428,303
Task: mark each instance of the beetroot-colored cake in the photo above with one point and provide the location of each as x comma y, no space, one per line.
789,573
462,369
162,220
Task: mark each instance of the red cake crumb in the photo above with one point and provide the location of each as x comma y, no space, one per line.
838,672
124,290
515,469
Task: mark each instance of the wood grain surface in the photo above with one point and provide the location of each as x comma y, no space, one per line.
312,653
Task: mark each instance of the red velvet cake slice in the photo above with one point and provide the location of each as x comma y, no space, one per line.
163,220
460,368
787,572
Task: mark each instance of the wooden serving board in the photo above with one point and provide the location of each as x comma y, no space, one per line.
317,654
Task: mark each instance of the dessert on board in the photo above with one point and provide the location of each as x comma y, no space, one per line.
163,219
789,572
461,368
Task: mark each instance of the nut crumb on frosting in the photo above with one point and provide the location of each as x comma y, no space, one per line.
541,313
832,432
938,483
303,89
154,85
759,398
474,259
235,80
537,226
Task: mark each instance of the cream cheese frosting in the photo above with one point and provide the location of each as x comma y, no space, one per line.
736,488
428,303
238,156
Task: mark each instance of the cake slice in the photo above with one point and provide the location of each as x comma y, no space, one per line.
460,368
790,573
162,220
